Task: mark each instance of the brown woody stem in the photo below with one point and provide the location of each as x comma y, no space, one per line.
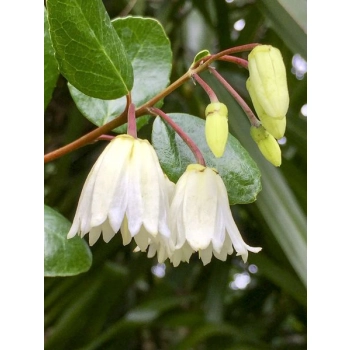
122,118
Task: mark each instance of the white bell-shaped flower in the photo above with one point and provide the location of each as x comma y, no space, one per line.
127,190
201,219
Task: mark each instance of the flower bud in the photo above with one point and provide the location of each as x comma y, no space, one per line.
268,77
268,146
276,127
216,128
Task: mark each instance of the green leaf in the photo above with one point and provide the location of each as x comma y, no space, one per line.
88,50
63,257
51,71
202,333
150,310
288,19
280,276
148,49
237,169
100,112
200,55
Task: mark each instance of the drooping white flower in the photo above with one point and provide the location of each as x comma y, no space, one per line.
127,190
201,219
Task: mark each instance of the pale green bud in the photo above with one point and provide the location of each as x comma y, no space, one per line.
275,126
268,77
216,128
267,144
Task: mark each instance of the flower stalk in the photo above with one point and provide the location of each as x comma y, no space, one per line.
189,142
237,60
254,121
211,94
132,129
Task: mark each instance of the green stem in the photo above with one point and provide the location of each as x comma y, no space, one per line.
193,147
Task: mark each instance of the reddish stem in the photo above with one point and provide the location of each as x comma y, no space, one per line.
105,138
190,143
132,129
213,98
249,113
237,60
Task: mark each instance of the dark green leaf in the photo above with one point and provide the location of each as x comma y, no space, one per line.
280,276
202,333
237,169
88,50
150,310
148,49
63,257
51,71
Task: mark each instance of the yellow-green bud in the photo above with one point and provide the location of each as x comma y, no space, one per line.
216,128
267,144
275,126
268,77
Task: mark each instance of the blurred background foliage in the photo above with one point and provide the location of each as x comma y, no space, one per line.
127,301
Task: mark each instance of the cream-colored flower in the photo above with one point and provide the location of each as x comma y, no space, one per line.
216,128
201,219
275,126
268,146
127,190
267,74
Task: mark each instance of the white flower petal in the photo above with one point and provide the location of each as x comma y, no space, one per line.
206,255
220,235
134,210
107,231
119,202
126,236
141,239
94,234
199,209
109,175
81,222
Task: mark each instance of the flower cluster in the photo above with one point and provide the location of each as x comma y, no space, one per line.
127,190
267,86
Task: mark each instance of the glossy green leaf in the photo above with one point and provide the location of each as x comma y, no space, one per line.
63,257
88,50
148,49
51,71
237,169
100,112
